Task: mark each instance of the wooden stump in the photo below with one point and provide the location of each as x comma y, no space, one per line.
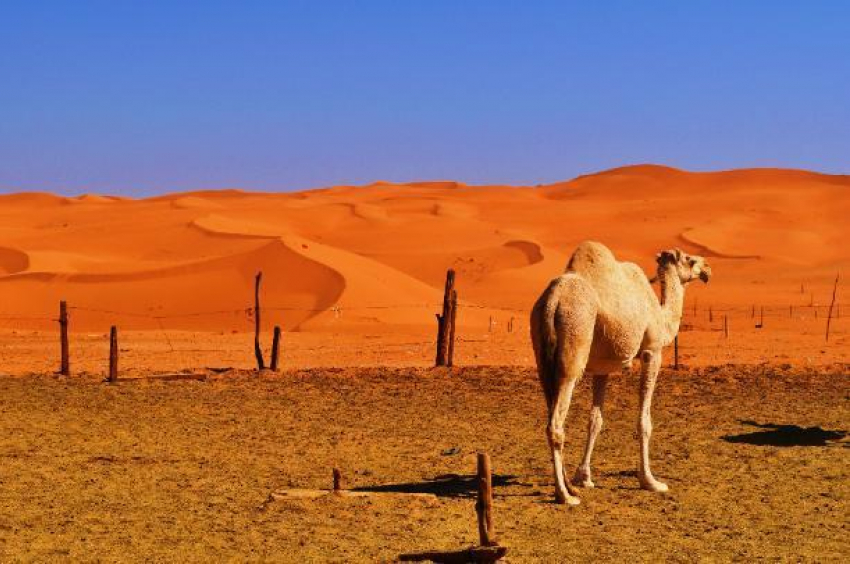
445,323
484,507
488,549
337,479
113,354
275,348
64,361
676,352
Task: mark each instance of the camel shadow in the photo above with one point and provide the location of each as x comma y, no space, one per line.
785,435
446,485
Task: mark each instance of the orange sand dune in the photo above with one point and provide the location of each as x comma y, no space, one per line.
373,258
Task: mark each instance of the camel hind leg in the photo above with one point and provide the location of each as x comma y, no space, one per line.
575,335
582,476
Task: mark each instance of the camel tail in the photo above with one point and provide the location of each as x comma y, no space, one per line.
545,337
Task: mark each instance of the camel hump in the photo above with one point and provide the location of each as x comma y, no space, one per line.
592,260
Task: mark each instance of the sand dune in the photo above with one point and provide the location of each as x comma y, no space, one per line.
373,258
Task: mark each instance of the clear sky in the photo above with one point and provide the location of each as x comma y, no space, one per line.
150,96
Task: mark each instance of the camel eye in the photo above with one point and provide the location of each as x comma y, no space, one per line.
692,262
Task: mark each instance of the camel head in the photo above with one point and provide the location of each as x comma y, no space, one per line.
688,267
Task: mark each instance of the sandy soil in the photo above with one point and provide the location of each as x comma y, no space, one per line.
756,457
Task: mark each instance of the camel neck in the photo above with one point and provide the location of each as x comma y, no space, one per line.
672,301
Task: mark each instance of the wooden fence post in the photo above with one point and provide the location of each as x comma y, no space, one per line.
258,352
676,352
451,359
831,304
710,314
275,348
726,326
484,507
445,330
488,550
113,354
64,363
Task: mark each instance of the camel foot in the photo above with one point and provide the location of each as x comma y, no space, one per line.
653,485
582,480
564,498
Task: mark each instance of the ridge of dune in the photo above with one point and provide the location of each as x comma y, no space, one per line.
367,284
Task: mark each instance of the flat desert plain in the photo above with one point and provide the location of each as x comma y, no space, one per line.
750,430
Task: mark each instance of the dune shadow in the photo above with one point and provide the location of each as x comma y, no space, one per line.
785,435
446,485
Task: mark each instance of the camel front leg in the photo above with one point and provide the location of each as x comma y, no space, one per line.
556,436
594,427
650,365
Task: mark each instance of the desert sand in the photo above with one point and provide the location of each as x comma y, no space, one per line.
750,431
372,259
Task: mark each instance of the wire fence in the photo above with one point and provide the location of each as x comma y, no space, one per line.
728,321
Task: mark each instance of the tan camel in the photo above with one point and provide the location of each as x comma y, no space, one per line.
595,319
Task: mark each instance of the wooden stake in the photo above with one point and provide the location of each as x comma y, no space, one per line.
831,304
676,352
484,507
113,354
490,325
258,352
453,325
337,480
275,348
726,326
511,325
710,314
444,321
64,362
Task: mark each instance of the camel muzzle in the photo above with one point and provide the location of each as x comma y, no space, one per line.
705,274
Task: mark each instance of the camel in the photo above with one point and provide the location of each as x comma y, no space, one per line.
596,318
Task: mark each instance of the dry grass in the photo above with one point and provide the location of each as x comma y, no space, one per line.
180,470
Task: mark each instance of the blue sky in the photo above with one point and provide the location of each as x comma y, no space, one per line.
152,96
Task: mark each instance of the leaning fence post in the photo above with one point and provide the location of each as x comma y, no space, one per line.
484,507
258,352
113,354
831,304
275,348
444,321
64,363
